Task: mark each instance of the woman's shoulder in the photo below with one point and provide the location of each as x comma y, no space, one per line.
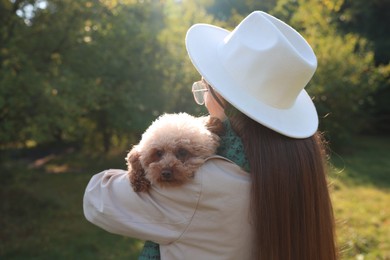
218,170
218,158
223,163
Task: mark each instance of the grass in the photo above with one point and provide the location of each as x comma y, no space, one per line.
41,212
361,199
41,205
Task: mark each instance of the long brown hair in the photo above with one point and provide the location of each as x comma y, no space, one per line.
290,205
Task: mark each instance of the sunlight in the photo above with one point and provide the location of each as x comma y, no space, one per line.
28,11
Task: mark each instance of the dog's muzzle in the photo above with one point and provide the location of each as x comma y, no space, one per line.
167,175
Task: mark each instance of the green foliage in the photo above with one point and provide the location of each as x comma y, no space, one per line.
369,19
177,69
224,10
87,68
343,86
98,72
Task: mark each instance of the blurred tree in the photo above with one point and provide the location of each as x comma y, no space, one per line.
371,20
98,71
224,10
19,76
121,54
76,70
178,71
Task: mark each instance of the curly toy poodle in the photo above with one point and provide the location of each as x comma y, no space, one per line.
172,149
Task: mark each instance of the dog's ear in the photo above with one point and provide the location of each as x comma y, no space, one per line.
136,172
214,125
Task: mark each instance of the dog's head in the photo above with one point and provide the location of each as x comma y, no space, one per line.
173,148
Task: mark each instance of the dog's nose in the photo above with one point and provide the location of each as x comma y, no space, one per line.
166,174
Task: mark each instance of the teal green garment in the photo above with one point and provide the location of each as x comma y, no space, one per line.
150,251
230,147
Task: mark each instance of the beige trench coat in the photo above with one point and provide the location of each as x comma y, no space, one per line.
207,218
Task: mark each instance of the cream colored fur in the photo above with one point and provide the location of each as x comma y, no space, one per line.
172,149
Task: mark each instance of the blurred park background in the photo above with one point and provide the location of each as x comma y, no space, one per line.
81,80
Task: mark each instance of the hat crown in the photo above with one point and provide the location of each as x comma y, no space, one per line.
269,59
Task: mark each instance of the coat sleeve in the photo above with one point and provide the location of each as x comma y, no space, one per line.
160,215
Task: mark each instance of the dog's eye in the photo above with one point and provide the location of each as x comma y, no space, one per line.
159,153
181,153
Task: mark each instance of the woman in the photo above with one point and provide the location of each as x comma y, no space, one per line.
253,80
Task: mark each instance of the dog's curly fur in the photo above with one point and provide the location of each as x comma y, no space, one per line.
172,149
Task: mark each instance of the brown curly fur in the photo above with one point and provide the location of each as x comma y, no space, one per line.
171,150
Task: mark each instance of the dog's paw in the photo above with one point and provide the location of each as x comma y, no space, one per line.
138,182
136,172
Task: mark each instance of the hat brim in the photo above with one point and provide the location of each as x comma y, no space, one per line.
298,121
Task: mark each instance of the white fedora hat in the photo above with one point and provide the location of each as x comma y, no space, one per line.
261,68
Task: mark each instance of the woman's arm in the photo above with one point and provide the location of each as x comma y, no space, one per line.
160,215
